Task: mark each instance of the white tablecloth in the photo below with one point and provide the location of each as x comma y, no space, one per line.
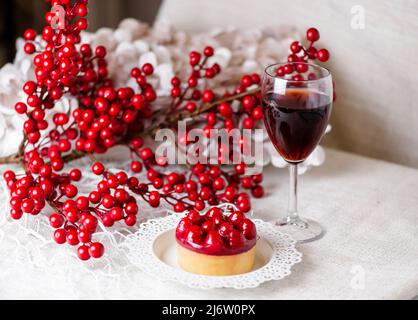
369,208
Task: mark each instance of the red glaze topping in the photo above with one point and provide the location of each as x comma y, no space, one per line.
216,234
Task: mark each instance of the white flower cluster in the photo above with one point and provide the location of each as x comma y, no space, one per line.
134,43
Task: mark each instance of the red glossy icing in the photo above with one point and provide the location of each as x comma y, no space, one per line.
216,234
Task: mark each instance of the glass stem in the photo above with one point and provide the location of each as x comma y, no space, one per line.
293,193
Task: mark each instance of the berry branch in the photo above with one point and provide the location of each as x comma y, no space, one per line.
107,116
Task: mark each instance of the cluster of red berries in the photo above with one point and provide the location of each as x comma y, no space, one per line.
188,97
107,116
215,232
106,119
300,55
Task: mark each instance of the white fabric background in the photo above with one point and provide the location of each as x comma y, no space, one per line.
368,208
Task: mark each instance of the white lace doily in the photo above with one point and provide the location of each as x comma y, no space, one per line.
141,247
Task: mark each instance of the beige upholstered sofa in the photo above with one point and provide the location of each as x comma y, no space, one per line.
375,67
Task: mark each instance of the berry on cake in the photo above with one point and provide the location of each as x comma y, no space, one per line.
216,244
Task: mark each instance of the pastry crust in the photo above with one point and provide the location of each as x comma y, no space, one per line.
204,264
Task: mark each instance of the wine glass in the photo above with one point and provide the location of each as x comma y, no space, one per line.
297,99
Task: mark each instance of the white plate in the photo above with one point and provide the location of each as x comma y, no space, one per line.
152,248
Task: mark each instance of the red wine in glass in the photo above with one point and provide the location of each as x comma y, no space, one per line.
296,121
296,115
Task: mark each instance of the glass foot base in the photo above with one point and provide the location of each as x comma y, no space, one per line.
302,230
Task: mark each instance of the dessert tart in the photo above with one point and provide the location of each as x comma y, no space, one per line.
216,244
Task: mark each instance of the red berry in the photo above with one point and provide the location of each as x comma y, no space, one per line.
60,236
28,205
136,166
179,207
192,82
56,220
154,199
95,197
214,241
116,214
297,77
195,58
207,226
83,253
101,52
295,47
108,201
256,78
29,48
199,205
210,73
122,177
194,235
244,206
312,34
230,193
98,168
9,175
190,186
84,235
247,182
108,221
211,118
15,203
208,52
71,191
249,102
191,107
323,55
146,154
131,208
213,212
240,168
204,179
236,239
248,123
21,108
236,218
29,35
257,192
225,110
96,250
30,87
257,113
130,220
183,227
218,183
225,229
16,214
75,175
112,182
194,216
208,96
176,92
280,72
312,53
247,81
302,67
288,68
205,193
148,69
249,230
